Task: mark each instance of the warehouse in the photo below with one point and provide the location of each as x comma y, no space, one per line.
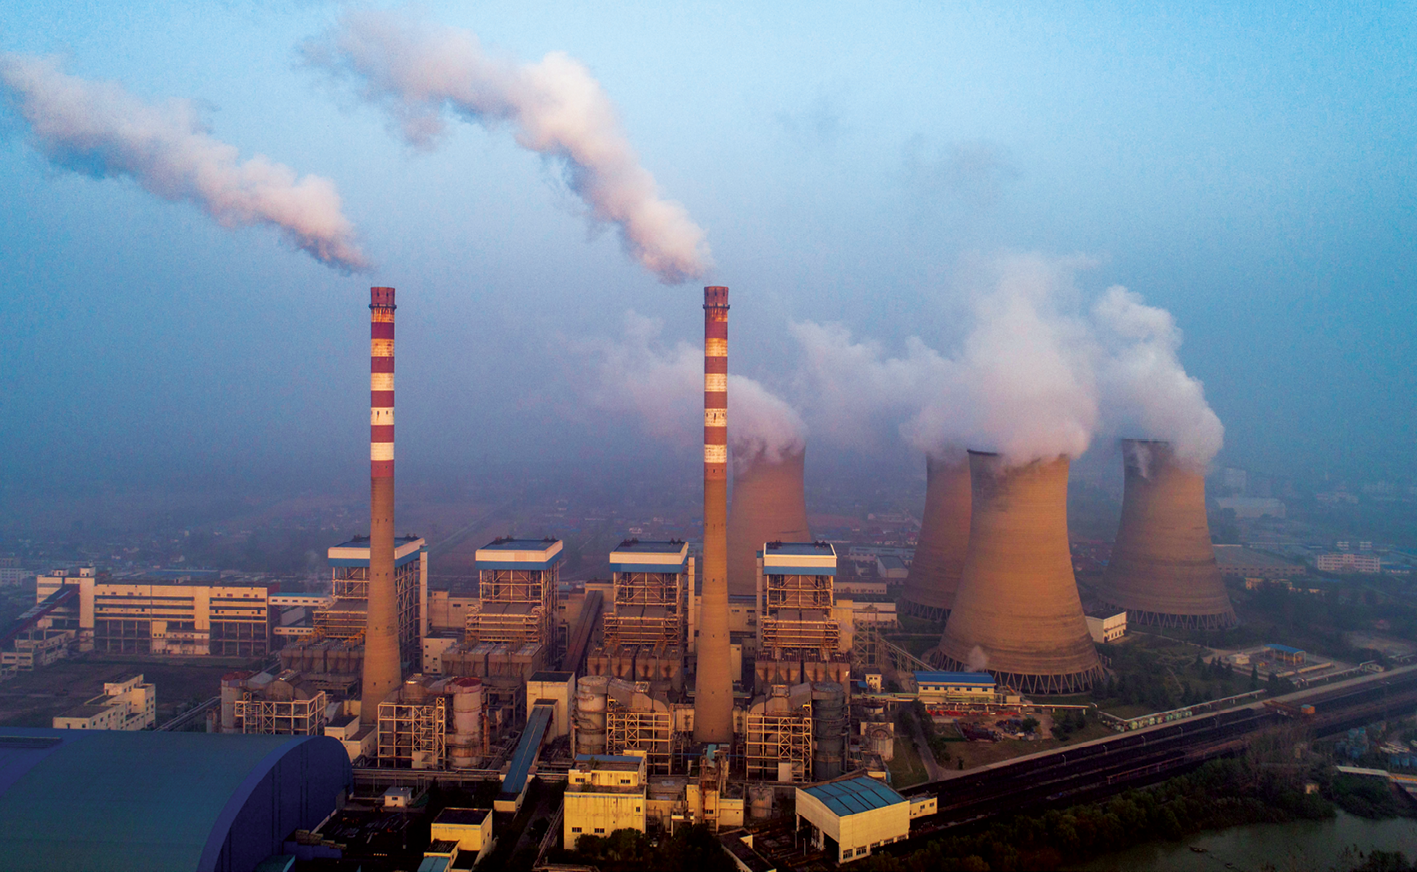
117,800
853,816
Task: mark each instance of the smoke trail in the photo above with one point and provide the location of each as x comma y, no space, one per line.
416,70
662,385
1146,389
100,130
853,386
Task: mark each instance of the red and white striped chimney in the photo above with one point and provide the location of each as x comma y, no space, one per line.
382,666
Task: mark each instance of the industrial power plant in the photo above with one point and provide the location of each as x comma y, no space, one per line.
711,681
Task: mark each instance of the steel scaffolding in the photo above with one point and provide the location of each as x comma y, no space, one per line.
648,731
771,739
413,735
295,717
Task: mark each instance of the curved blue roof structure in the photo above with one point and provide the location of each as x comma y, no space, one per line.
158,801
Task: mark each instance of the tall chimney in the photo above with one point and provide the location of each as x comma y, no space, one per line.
382,669
933,581
1163,569
713,691
1017,613
768,506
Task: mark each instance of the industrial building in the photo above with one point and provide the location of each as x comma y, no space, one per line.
851,817
644,632
105,799
345,616
139,615
1163,569
933,577
283,704
1018,614
604,793
800,636
1106,625
769,505
126,704
940,688
455,833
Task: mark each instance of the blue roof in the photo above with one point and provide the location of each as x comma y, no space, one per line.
1284,649
608,758
527,749
118,800
854,795
638,547
953,678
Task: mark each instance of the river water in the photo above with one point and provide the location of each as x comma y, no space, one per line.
1302,845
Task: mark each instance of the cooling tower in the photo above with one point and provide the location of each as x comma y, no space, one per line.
1163,569
944,538
713,691
382,673
1017,612
768,506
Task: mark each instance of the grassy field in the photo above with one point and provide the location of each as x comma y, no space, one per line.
906,768
32,699
976,754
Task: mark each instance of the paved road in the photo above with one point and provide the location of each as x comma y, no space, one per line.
927,756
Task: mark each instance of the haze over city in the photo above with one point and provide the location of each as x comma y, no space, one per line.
1050,501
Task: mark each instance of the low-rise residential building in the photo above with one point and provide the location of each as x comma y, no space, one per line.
1348,561
604,793
127,704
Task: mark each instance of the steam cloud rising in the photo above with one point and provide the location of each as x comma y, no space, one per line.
663,385
1034,377
416,70
100,130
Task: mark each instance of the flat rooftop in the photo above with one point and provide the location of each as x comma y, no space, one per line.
804,549
953,678
669,546
519,554
552,676
620,762
468,816
355,552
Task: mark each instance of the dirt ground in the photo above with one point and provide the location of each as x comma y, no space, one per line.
33,699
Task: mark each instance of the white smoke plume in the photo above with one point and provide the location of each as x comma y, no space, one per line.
101,130
416,71
663,386
1145,389
1036,376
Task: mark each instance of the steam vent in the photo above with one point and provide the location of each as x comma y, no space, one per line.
944,539
382,668
1163,569
768,506
1017,613
713,685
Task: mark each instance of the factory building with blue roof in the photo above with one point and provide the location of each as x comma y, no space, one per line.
160,801
852,816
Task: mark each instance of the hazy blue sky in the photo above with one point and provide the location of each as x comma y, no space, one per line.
1249,169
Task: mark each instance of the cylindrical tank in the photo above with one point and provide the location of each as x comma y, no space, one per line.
768,506
413,691
1017,613
465,745
828,730
1163,569
944,539
591,701
233,684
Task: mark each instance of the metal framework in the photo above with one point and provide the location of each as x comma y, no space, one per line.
348,616
651,732
771,739
1217,621
1045,684
516,606
295,717
797,592
413,735
791,634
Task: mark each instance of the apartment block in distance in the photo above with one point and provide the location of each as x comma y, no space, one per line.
162,616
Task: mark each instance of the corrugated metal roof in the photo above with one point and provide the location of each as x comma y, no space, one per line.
953,678
854,795
527,750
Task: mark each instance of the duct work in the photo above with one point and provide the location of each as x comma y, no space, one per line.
1017,613
382,669
1163,569
713,691
933,581
768,506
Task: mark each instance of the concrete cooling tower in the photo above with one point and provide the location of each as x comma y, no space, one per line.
1017,613
1163,569
944,539
768,506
